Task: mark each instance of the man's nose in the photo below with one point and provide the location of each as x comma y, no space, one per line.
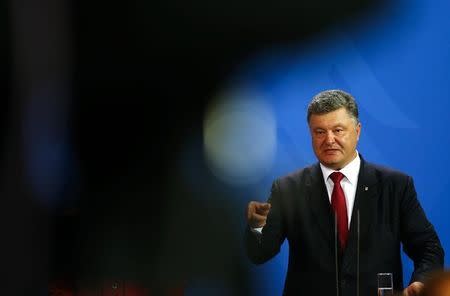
330,137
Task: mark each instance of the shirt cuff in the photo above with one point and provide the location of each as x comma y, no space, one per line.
257,230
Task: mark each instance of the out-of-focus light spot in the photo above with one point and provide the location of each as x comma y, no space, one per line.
239,137
47,151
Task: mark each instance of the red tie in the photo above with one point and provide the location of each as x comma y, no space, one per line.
340,208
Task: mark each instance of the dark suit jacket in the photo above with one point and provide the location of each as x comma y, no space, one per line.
390,216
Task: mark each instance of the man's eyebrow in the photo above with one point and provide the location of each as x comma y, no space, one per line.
333,127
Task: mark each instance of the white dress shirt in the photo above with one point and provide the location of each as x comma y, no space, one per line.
349,183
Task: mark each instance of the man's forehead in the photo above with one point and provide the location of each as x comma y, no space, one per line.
336,115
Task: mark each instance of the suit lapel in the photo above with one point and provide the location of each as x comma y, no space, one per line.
319,202
365,202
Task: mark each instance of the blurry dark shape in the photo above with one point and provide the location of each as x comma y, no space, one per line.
137,76
39,55
438,284
49,162
112,288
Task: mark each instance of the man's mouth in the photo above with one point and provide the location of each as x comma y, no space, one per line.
331,150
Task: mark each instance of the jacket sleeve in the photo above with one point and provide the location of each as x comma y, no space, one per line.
420,240
263,246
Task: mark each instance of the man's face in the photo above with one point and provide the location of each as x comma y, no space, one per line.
334,137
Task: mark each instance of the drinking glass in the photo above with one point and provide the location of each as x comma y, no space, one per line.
385,286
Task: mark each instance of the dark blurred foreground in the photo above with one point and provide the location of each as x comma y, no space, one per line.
99,100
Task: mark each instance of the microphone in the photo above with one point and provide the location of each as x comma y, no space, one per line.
336,253
358,228
357,252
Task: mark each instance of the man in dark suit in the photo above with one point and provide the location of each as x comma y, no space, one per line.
344,218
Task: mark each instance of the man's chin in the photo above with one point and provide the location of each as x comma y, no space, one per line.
330,162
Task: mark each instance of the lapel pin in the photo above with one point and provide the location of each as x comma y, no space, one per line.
366,188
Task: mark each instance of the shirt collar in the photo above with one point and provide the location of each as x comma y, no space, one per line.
350,171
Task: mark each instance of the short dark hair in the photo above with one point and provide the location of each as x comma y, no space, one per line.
331,100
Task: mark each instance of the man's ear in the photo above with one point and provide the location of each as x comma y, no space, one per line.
358,130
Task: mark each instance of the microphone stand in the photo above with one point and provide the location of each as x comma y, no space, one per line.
358,227
336,254
357,253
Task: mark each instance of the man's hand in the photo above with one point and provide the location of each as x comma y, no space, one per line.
257,213
413,290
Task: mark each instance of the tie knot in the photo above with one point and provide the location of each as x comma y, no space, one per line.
336,177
